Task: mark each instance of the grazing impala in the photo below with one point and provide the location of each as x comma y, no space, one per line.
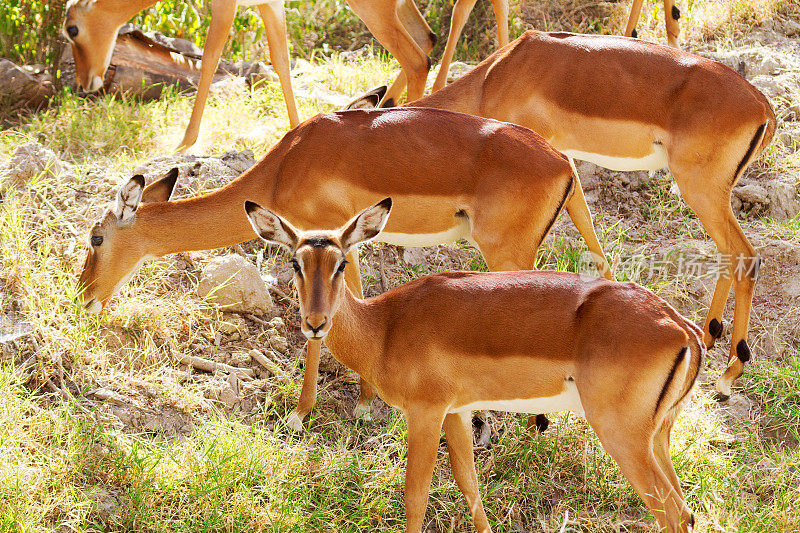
443,345
452,176
625,104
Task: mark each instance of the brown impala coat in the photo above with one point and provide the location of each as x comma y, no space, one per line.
627,104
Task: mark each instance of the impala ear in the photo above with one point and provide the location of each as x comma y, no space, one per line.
369,100
128,198
366,225
271,227
161,190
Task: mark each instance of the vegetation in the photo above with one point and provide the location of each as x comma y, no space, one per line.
164,453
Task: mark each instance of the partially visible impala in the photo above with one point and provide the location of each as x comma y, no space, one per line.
626,104
444,345
452,176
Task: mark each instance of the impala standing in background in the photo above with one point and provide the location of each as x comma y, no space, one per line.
441,346
452,176
626,104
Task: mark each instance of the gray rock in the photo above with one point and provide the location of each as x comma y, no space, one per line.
31,86
31,160
234,284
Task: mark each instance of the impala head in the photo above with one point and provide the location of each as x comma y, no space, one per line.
318,258
116,248
92,31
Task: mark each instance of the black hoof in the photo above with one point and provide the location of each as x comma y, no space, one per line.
743,351
634,34
721,397
542,423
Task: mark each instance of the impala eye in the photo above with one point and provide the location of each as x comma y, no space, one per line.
97,240
72,31
341,267
296,265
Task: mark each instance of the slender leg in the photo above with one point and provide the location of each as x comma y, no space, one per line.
671,16
741,269
661,451
580,215
501,15
222,13
635,457
274,17
308,395
384,23
461,12
458,430
352,276
423,442
633,19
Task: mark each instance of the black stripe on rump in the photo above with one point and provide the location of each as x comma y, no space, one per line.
749,153
670,377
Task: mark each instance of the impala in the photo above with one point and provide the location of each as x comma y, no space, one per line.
444,345
452,176
671,16
626,104
91,27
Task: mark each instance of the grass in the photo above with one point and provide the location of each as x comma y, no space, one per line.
166,454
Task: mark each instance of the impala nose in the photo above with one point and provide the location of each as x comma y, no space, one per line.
315,324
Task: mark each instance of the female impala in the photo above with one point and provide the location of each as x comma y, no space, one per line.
452,176
441,346
631,105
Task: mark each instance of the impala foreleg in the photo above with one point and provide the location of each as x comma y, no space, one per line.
308,395
461,12
274,17
458,431
222,13
424,426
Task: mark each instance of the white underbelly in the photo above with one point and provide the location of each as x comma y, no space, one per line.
656,160
569,400
462,231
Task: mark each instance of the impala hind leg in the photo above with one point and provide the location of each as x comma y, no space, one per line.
501,16
461,12
398,26
222,14
458,431
661,442
274,17
580,215
424,427
352,276
635,457
740,267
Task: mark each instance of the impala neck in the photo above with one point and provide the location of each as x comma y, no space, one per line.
356,334
203,223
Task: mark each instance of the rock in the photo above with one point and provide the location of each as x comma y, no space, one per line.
31,160
233,326
328,363
753,198
229,397
32,86
784,200
234,284
239,161
414,256
277,341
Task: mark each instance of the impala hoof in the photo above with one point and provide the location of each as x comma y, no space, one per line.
295,423
362,412
720,397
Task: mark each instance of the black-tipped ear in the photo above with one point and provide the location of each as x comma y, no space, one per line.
366,225
128,198
368,100
270,226
161,190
